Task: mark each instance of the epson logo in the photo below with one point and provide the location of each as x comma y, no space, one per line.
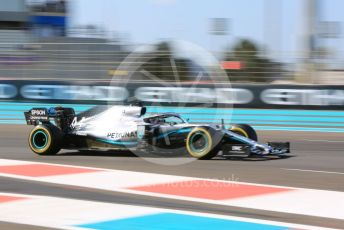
38,112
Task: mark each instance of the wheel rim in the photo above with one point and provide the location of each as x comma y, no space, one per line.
199,142
39,139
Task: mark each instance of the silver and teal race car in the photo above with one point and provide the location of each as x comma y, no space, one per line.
127,127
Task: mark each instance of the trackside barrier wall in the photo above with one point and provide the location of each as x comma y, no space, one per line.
266,107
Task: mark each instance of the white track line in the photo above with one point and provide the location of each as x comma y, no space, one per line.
328,141
315,171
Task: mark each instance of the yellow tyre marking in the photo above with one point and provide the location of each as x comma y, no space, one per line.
204,152
240,130
40,151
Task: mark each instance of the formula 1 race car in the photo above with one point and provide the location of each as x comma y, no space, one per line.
127,127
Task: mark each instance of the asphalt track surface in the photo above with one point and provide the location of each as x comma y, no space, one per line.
316,161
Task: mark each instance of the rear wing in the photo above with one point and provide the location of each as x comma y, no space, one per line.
62,116
36,115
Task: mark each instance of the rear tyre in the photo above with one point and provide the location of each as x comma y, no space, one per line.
245,130
45,140
202,143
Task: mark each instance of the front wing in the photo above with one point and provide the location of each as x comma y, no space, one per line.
248,146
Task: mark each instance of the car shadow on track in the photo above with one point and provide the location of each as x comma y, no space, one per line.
99,153
128,153
255,158
120,153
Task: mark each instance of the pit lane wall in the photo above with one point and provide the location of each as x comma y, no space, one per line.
266,107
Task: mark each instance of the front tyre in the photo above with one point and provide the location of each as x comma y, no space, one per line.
200,143
45,140
245,130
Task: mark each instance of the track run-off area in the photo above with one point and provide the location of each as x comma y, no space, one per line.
117,190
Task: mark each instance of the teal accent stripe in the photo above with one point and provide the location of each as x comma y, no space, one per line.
121,143
174,131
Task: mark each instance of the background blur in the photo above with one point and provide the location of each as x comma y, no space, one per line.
278,41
